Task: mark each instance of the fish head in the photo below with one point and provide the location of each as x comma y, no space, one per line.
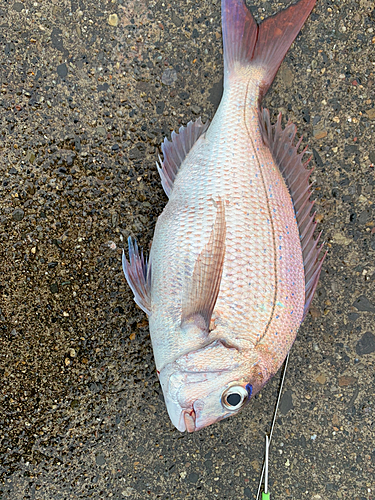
210,384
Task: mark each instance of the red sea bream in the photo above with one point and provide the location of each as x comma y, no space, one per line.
233,265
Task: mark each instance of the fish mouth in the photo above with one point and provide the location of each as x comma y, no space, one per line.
192,417
184,419
189,417
191,420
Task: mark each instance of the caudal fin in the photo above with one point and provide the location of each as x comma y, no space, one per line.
265,44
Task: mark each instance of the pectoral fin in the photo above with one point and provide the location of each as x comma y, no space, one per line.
138,275
202,290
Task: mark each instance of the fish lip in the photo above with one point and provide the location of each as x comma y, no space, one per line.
189,417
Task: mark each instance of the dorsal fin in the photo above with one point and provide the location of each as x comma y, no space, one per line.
175,151
296,174
138,276
201,293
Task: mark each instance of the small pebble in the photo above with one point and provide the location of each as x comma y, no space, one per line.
345,381
169,76
62,70
100,459
18,6
340,239
366,344
113,20
195,109
319,132
101,131
18,214
286,75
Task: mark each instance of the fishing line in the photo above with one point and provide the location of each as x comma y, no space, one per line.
269,437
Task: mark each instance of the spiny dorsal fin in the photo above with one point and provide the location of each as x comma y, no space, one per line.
296,174
201,294
175,151
138,276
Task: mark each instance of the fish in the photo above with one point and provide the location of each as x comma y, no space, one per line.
234,263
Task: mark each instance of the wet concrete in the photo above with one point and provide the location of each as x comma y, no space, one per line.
88,92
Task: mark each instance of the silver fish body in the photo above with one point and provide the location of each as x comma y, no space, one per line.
226,280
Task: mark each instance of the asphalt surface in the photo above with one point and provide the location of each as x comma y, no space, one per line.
88,92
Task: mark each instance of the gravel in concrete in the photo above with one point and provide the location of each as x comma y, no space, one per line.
88,92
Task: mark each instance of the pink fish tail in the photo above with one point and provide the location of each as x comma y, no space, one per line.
263,45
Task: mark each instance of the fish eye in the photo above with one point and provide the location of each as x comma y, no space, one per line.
234,397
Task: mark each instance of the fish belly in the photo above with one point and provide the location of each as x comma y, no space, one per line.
262,290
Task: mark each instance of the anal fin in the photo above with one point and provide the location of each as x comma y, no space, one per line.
138,276
202,290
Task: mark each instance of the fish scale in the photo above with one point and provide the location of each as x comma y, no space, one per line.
233,265
253,226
